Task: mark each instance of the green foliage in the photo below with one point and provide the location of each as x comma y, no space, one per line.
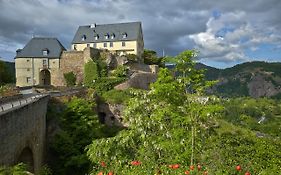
19,169
132,57
116,96
70,78
247,112
106,83
120,71
90,73
5,74
79,125
233,88
102,68
162,123
232,145
150,57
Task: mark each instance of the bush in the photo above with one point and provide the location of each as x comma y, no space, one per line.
70,78
106,83
120,71
132,57
116,96
90,73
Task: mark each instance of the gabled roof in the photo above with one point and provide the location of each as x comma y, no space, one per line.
35,47
86,34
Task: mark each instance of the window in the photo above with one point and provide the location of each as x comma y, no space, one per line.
83,37
44,62
112,36
95,45
111,44
88,45
123,43
74,47
124,35
28,69
28,79
104,44
45,52
27,60
106,36
96,37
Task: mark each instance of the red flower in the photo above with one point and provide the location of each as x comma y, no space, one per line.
247,173
191,167
238,168
175,166
186,172
100,173
103,164
135,163
199,167
110,173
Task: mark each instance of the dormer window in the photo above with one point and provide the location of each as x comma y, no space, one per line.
112,36
106,36
83,37
124,35
45,52
96,37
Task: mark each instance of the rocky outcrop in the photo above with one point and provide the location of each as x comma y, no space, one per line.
140,80
260,87
110,114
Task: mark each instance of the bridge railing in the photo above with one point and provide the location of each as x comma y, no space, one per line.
16,102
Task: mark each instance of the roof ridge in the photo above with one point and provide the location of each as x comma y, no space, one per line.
112,23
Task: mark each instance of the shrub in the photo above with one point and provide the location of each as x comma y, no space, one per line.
106,83
132,57
116,96
70,78
90,73
120,71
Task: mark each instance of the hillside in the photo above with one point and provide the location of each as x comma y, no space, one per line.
255,79
7,72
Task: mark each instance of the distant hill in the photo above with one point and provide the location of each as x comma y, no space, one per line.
7,72
255,79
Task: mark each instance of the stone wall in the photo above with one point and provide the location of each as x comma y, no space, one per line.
73,61
24,128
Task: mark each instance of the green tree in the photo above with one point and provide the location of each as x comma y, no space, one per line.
159,131
150,57
5,75
79,125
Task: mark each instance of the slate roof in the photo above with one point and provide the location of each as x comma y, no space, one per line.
34,48
131,29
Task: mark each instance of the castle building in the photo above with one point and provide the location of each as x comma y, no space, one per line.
37,61
120,38
44,61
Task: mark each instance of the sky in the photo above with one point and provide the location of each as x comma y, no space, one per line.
225,32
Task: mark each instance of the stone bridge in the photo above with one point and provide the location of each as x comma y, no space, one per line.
23,130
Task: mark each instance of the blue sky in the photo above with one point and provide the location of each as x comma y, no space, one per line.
224,32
